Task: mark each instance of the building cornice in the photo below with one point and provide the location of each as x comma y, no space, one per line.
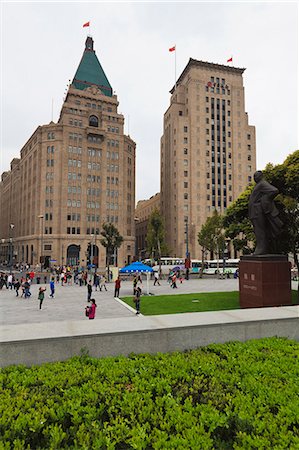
206,65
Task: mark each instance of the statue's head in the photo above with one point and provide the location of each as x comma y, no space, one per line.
258,176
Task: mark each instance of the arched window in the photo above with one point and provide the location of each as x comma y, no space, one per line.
93,121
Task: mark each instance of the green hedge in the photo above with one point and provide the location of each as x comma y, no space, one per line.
232,396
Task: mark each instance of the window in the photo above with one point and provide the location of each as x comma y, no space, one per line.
185,184
185,173
185,129
93,121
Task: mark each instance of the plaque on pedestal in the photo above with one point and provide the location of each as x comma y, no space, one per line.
264,280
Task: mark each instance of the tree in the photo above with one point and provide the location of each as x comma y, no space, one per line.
285,177
111,240
211,237
155,239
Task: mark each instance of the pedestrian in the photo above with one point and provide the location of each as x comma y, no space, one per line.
103,283
62,275
89,290
137,300
173,281
9,281
27,292
96,281
117,287
135,281
41,296
156,275
92,309
52,287
17,287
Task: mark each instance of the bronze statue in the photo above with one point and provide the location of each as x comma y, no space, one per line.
264,214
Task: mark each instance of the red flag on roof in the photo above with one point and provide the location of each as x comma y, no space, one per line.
230,59
86,24
172,49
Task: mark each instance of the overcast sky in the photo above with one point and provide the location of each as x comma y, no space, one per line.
42,44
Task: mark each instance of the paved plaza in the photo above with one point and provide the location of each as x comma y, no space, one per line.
70,300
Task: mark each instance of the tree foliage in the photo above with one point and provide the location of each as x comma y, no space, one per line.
211,236
155,239
111,240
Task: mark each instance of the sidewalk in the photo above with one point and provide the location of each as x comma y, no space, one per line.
70,300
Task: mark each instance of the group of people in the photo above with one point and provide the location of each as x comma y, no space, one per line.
13,283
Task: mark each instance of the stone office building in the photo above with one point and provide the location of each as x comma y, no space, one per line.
208,151
71,177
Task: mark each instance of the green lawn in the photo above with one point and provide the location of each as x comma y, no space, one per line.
183,303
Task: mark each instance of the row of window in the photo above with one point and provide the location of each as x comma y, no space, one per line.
75,122
113,129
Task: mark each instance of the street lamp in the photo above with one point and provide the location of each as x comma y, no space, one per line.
3,249
41,216
11,226
187,260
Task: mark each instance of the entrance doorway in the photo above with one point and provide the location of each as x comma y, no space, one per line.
73,255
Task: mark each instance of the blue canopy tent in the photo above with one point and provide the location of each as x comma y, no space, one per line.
138,267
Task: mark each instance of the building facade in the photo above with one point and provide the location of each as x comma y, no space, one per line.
144,209
72,176
208,151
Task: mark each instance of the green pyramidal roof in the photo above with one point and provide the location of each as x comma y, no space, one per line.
90,71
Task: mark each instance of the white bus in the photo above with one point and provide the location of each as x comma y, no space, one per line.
196,266
167,264
231,265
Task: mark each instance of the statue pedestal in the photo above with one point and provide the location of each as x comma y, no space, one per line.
264,280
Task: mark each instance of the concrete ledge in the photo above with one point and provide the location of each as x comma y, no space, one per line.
39,343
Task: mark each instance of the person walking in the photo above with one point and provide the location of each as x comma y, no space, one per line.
156,275
10,281
96,281
173,283
89,290
27,292
92,309
17,287
52,287
137,300
41,296
103,283
117,287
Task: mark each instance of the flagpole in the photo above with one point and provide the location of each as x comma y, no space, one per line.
175,66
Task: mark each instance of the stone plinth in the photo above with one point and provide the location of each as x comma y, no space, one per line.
264,281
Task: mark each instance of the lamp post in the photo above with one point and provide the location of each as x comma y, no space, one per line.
3,250
11,247
187,260
41,216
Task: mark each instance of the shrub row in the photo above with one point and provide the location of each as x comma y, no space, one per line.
232,396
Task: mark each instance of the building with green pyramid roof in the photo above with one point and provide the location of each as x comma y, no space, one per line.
90,71
79,174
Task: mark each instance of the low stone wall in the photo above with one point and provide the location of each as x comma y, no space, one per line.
147,335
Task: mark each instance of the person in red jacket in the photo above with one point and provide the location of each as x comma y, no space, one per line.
92,309
117,287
